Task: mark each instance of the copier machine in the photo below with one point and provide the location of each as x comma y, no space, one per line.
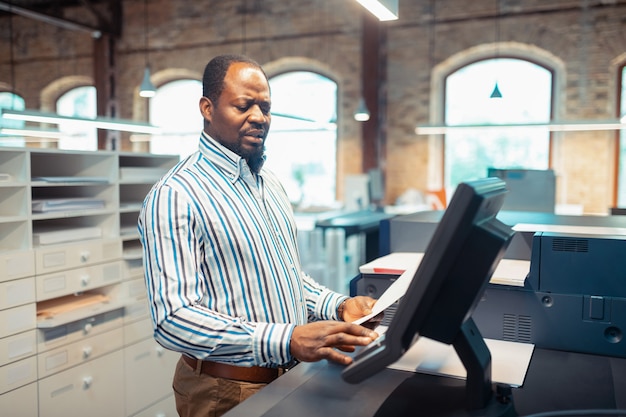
574,296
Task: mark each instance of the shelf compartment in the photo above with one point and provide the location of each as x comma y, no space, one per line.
13,201
14,167
15,235
51,231
68,166
132,195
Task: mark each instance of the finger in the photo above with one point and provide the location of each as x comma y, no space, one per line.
346,348
342,339
334,356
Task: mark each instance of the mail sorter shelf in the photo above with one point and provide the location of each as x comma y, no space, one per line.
14,166
66,167
137,168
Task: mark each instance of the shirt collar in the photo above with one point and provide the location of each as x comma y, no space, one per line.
231,163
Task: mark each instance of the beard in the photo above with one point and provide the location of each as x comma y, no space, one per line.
256,160
255,157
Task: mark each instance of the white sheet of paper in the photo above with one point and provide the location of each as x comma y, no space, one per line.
393,293
562,228
511,272
509,360
508,272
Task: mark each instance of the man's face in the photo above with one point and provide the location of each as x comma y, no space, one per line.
240,120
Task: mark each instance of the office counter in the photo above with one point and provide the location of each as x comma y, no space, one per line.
556,380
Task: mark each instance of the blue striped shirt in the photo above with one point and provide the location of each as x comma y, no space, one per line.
221,264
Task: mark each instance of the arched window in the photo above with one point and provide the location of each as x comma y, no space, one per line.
301,147
11,101
526,97
80,102
621,192
175,108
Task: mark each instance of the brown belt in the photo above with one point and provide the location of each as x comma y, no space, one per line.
239,373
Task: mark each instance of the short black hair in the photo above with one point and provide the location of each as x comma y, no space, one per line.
215,71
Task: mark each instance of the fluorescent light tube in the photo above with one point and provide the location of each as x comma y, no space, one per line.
383,9
98,122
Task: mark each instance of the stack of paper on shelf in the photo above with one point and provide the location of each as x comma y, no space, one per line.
66,204
142,173
52,236
51,308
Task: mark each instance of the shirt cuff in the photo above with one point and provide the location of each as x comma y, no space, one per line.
330,305
271,344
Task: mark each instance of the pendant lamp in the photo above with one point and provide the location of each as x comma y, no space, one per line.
146,88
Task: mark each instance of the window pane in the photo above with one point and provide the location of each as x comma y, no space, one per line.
80,102
13,102
468,100
175,109
302,143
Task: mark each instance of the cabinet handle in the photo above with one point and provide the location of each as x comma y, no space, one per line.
87,328
84,256
87,382
160,415
84,280
87,351
159,351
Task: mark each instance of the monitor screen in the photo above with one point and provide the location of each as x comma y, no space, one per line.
456,267
529,189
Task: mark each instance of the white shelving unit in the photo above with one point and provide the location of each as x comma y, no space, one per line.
75,334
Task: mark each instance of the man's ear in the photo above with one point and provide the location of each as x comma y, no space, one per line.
206,108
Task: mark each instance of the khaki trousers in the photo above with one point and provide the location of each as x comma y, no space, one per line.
200,395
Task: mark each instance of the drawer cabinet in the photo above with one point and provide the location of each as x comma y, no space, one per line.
75,255
17,292
17,320
21,402
16,264
17,374
148,374
164,408
56,360
78,279
137,331
75,329
18,346
94,389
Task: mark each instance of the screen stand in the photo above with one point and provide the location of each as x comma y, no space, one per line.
440,396
475,356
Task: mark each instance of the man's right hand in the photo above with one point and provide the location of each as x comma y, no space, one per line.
321,340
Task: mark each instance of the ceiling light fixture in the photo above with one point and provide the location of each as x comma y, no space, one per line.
551,126
146,89
383,9
362,114
98,122
30,132
496,90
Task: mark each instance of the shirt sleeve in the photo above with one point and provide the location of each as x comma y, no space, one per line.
173,251
322,303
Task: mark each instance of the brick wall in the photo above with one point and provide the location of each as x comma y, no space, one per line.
589,42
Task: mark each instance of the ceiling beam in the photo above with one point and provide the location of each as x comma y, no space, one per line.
52,20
